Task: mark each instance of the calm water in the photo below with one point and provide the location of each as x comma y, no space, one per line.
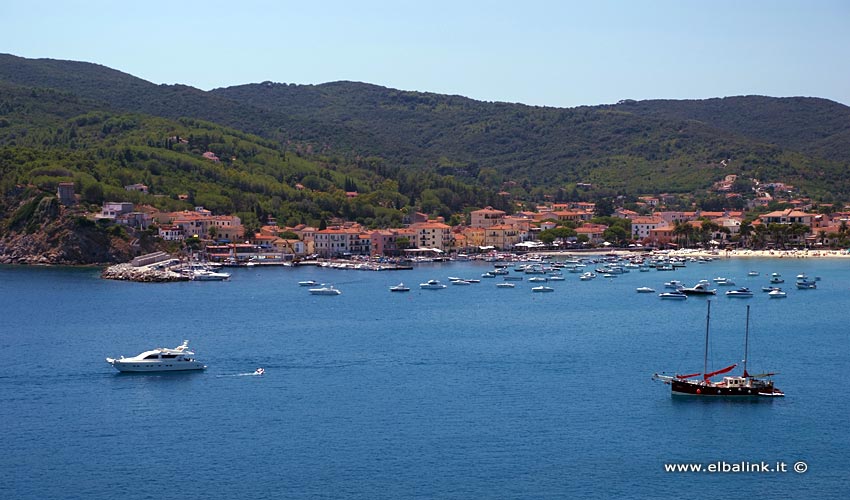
467,392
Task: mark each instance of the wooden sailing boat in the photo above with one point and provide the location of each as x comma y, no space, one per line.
700,384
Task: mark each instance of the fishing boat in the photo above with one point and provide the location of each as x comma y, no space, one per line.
700,384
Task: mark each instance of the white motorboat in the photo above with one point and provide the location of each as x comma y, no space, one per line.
777,294
198,271
644,289
325,290
542,289
505,285
677,295
206,275
743,292
161,359
701,288
460,282
432,285
399,288
308,283
674,284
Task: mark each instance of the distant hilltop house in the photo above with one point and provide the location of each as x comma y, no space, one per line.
209,155
137,187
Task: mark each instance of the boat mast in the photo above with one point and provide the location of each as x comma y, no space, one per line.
747,342
705,358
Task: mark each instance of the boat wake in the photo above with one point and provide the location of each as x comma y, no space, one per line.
256,373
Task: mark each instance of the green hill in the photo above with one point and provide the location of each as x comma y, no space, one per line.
629,148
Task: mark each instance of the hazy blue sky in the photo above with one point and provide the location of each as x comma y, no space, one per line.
555,53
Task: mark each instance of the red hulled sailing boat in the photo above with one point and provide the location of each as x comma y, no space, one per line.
700,384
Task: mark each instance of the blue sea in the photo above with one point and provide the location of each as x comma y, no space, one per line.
466,392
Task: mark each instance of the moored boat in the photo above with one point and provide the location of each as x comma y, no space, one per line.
399,288
432,285
700,384
701,288
677,295
740,292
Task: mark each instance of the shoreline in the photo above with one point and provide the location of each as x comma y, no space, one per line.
764,254
718,254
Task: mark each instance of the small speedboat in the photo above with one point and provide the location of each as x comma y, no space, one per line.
505,285
308,283
753,273
673,295
399,288
460,282
542,289
674,284
777,294
644,289
259,371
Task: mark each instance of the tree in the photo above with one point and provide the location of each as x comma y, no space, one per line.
93,193
604,207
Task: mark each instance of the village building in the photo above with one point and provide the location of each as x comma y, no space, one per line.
486,217
501,236
433,235
641,226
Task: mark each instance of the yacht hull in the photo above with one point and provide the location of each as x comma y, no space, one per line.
680,388
169,366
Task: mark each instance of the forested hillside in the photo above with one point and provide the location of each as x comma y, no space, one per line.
458,150
47,137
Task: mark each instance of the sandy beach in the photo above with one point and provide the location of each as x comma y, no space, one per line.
778,254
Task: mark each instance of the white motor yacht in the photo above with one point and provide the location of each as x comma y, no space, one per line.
161,359
432,285
325,290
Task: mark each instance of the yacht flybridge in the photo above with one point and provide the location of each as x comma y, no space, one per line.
161,359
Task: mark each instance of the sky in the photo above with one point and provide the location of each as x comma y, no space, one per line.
549,53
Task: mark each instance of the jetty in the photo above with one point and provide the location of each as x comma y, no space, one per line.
150,268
